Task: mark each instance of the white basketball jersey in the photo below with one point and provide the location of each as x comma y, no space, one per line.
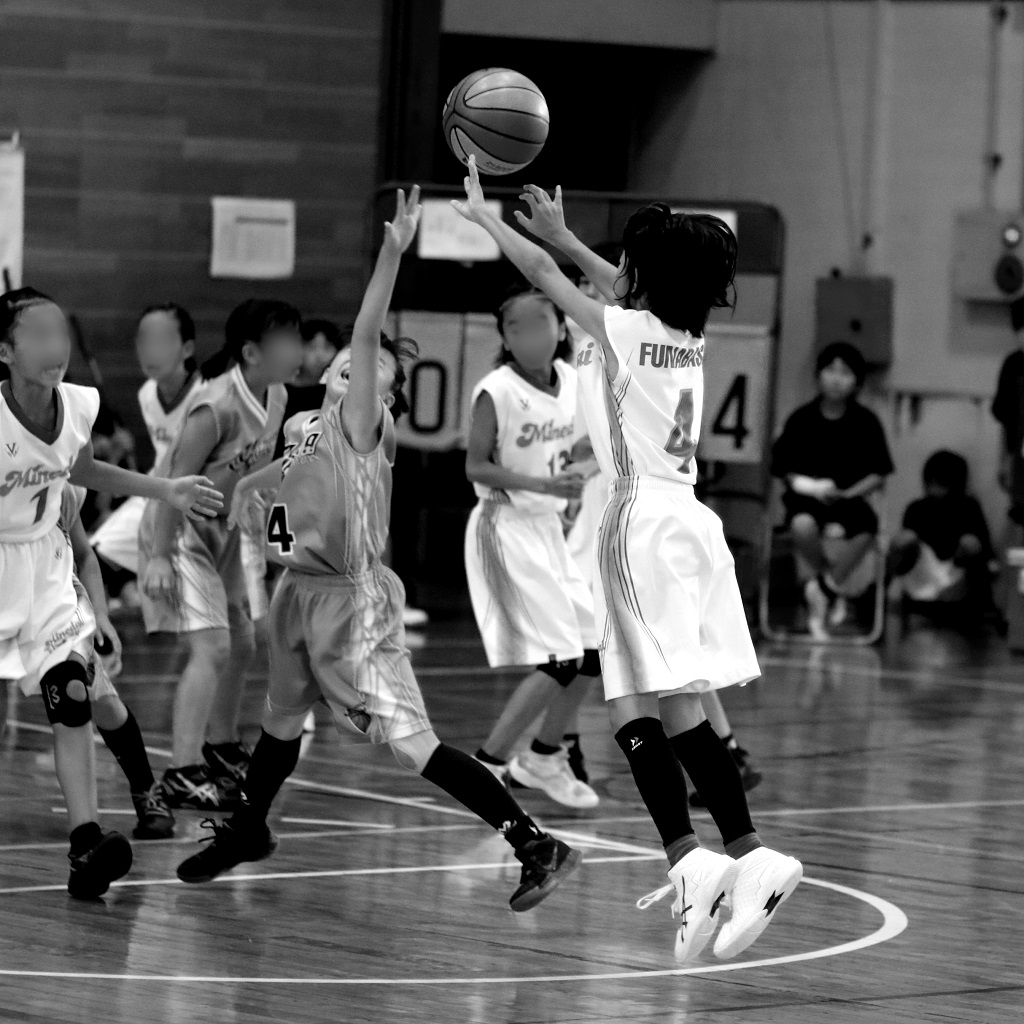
164,425
646,422
535,432
34,463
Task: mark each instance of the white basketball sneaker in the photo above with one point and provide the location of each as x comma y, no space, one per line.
766,879
552,774
701,880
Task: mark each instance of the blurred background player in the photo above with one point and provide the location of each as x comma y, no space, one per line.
193,580
531,603
165,338
335,621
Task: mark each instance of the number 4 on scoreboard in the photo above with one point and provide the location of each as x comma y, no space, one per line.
731,420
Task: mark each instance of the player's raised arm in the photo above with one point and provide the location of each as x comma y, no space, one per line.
547,222
537,267
361,407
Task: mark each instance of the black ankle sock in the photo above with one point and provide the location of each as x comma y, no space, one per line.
129,749
478,790
712,770
658,776
85,837
482,755
543,748
272,762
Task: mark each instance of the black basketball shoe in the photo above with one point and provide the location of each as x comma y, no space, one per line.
230,843
546,864
93,870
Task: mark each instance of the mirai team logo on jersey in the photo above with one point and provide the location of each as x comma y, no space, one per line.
669,357
251,454
69,632
31,477
585,356
541,432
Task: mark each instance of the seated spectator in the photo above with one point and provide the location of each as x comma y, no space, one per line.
832,454
943,553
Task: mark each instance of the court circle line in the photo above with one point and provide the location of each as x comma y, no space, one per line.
894,922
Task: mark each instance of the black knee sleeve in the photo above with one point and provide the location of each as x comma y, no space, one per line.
563,672
591,663
66,694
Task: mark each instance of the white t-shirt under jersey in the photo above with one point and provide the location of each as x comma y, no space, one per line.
645,422
535,432
164,425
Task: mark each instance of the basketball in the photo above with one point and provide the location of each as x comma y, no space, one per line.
499,116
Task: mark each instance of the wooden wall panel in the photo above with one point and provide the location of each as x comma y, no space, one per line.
134,113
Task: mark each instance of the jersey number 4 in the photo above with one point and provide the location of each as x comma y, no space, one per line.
680,441
278,533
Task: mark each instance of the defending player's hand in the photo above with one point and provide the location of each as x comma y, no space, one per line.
474,205
159,580
248,511
195,496
546,219
401,230
565,485
108,646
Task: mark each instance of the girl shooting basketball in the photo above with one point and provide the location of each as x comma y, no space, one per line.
531,603
335,624
193,579
671,610
45,636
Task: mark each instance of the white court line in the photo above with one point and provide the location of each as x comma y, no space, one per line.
338,822
274,876
894,922
100,810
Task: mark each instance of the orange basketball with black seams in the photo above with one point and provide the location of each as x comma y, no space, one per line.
499,116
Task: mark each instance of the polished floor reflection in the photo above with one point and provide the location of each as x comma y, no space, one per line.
896,775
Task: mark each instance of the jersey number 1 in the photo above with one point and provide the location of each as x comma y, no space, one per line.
680,442
40,499
278,533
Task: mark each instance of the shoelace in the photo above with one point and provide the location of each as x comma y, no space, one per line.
653,897
153,802
213,826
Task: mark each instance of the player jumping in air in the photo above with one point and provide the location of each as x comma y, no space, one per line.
674,623
45,632
335,625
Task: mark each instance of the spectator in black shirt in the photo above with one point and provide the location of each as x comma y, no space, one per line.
944,552
832,454
1008,409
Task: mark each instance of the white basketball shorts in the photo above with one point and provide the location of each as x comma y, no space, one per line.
42,621
531,603
669,605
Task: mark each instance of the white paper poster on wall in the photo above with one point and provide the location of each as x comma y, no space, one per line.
252,238
447,235
12,214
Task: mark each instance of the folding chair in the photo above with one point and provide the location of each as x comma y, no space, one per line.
777,551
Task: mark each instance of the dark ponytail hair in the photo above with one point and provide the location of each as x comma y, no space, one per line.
563,350
403,350
12,304
250,321
679,265
186,325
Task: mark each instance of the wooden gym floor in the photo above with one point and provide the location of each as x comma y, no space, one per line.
895,775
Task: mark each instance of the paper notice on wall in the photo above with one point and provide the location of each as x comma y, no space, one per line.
12,215
252,238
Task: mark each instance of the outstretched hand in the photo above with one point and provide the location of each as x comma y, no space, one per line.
546,219
195,496
474,205
401,230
